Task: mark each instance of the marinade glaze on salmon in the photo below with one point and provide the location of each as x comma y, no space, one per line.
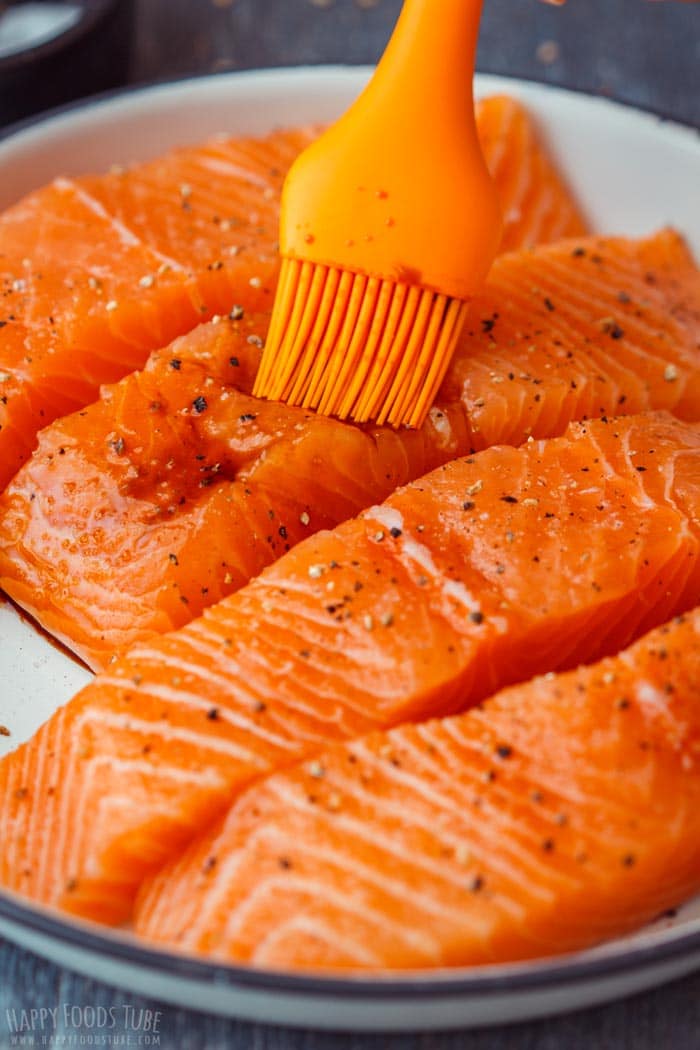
557,815
96,272
177,487
485,572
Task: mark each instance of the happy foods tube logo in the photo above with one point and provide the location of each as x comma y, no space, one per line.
69,1025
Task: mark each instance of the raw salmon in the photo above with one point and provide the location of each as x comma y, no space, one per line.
177,487
490,569
537,205
96,272
561,813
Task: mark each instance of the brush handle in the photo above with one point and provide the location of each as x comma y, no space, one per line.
429,63
398,189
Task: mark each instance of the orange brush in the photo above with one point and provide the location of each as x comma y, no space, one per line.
389,226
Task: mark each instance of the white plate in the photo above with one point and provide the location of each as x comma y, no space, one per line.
632,173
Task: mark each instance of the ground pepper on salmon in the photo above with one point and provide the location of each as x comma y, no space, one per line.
443,845
98,271
417,609
205,472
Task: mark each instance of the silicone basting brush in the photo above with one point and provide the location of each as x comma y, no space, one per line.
390,223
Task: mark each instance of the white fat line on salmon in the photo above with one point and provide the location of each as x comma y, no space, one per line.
128,238
107,810
562,794
520,844
405,813
390,519
295,621
652,699
51,815
160,658
689,514
364,875
16,778
442,426
642,499
517,853
320,890
376,763
43,773
197,638
319,932
225,872
184,699
669,458
592,360
641,332
273,887
79,816
338,702
246,178
198,915
154,908
604,465
546,204
669,484
437,742
381,807
167,732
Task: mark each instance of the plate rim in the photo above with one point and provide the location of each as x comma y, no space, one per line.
528,976
662,947
100,98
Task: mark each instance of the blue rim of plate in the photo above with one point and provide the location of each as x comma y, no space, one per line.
528,976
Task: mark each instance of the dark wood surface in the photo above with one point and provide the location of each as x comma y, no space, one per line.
642,51
639,51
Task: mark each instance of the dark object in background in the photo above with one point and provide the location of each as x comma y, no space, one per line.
87,52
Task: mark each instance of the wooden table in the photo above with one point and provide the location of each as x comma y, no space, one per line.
638,51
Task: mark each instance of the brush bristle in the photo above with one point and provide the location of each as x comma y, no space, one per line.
357,347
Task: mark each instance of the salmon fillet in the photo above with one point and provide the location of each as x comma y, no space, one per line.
560,813
96,272
177,487
487,571
538,207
